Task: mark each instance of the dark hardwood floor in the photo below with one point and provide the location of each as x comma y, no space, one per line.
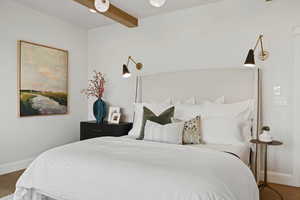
8,181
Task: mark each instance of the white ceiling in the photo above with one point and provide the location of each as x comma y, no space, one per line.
76,14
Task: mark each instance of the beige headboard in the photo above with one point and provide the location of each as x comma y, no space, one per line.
236,84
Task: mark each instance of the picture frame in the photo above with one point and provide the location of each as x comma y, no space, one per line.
115,119
42,80
113,110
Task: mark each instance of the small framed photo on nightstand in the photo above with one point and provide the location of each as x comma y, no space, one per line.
112,111
116,118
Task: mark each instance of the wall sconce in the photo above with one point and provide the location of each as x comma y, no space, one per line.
127,74
263,55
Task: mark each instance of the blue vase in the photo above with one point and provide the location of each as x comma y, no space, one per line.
99,109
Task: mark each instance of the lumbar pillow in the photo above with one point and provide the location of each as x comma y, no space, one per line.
191,130
157,108
169,133
163,118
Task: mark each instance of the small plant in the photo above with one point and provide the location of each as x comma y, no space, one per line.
96,86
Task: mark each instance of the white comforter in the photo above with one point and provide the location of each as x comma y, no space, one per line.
126,169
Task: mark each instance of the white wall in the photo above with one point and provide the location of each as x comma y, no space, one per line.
216,35
296,82
24,138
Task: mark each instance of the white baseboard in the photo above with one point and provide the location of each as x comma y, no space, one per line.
14,166
279,178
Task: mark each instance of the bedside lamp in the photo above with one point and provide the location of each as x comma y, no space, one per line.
264,55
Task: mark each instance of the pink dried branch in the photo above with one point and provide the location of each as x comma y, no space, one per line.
95,86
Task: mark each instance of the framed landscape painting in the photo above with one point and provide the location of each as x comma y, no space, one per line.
43,80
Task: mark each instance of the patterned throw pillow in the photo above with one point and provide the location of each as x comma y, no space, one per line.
163,118
191,130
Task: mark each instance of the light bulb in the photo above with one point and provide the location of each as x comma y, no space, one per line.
92,10
157,3
127,75
250,65
102,5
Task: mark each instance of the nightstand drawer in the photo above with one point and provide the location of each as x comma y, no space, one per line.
90,130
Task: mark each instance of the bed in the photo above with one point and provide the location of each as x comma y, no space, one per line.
125,168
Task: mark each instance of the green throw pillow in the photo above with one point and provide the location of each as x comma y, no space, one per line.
164,118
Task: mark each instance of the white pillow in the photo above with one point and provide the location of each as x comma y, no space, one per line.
139,113
167,101
187,112
190,101
219,100
169,133
208,109
223,130
244,109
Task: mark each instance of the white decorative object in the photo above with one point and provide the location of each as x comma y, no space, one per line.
265,137
157,3
102,5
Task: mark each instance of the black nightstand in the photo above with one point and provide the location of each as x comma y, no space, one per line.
91,129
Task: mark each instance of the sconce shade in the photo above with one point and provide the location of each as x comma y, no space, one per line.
250,60
126,73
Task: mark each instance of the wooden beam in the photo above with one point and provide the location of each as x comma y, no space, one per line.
113,13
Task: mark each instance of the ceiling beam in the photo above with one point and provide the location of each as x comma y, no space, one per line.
113,13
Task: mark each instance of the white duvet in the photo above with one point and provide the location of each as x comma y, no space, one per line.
126,169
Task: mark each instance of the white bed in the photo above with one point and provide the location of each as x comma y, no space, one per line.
241,151
128,169
124,168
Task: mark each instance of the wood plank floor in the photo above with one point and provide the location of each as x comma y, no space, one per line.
8,181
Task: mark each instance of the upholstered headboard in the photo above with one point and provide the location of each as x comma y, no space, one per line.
236,84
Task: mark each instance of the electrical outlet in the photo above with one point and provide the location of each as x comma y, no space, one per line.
280,101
